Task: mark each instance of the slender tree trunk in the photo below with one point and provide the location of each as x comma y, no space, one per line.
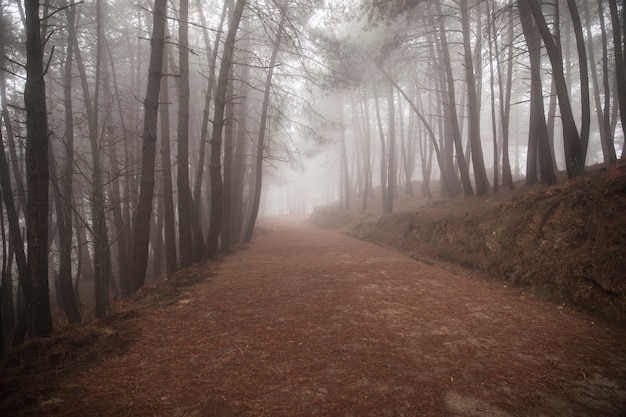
620,75
14,233
427,125
345,172
256,199
10,135
367,136
185,233
608,145
228,167
391,166
141,232
491,36
584,76
169,221
383,148
505,104
480,174
239,166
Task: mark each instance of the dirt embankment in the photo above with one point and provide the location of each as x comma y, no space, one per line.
566,243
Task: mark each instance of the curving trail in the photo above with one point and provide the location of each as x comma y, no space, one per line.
312,322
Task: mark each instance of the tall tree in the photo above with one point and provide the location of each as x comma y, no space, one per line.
218,127
468,190
16,238
39,317
185,233
480,174
574,157
606,142
167,194
391,165
538,148
584,76
143,216
620,66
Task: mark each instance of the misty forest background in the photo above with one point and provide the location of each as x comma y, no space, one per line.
137,136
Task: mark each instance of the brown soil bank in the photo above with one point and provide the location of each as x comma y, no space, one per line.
566,243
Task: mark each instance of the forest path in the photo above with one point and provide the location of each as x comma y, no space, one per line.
312,322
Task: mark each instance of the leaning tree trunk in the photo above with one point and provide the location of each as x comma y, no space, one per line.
574,157
141,232
256,201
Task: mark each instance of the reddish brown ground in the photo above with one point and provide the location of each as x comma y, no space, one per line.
311,322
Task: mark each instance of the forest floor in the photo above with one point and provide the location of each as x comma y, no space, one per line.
308,321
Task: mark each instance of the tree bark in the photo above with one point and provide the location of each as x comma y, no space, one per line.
620,75
538,148
185,233
256,199
37,178
215,225
141,232
584,76
391,166
14,227
454,122
169,221
480,174
574,157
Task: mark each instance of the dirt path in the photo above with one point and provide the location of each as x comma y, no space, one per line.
311,322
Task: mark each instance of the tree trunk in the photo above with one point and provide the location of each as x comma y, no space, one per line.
185,233
218,127
584,76
383,149
574,158
36,295
169,221
491,36
538,148
14,229
228,167
424,121
239,165
608,145
480,174
620,75
454,123
367,165
141,232
391,166
256,199
197,191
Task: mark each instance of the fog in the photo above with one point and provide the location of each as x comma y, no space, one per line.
165,129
